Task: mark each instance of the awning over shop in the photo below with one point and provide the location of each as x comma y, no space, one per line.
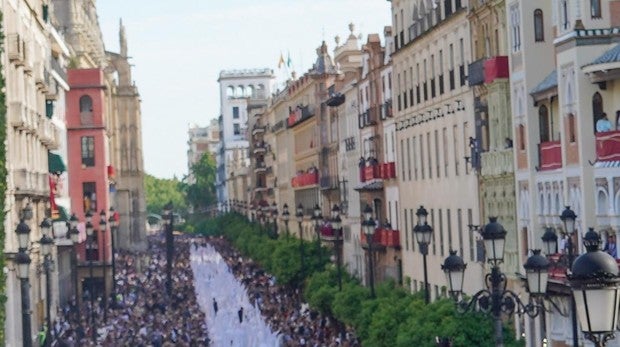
55,163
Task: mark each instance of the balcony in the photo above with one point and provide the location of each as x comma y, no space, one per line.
260,188
550,155
258,129
259,148
496,67
15,49
328,182
476,73
278,126
497,162
305,179
329,234
608,146
368,118
17,115
260,167
299,114
30,183
383,238
378,171
386,109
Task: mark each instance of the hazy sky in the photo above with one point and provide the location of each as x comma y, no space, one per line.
179,47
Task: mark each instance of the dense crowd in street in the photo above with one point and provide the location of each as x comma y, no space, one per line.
141,313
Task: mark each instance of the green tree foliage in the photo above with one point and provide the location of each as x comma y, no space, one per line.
201,193
3,174
160,190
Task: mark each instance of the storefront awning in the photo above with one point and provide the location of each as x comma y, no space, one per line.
55,163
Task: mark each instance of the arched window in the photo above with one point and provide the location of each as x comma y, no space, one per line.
251,92
539,30
240,92
602,203
597,107
571,128
86,104
543,121
521,137
230,91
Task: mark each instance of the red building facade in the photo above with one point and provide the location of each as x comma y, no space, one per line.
88,158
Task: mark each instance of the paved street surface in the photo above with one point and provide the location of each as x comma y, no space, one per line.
213,279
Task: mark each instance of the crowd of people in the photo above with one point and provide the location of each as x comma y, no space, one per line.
140,313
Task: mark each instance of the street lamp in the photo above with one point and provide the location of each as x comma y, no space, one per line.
300,219
285,216
423,234
496,298
46,243
23,266
596,288
90,234
113,229
317,217
103,228
337,229
274,214
368,225
75,235
569,217
550,242
169,218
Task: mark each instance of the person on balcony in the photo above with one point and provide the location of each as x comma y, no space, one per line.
603,124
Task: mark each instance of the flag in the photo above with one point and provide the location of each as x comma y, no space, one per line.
289,62
281,61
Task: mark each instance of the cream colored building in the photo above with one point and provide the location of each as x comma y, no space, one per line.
33,57
202,140
564,67
433,110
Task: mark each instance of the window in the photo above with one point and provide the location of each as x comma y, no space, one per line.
471,236
406,230
445,151
597,108
459,226
428,150
236,129
571,128
437,162
433,238
539,30
449,222
408,161
89,196
565,24
402,159
88,151
86,104
415,159
595,8
515,28
441,243
522,137
447,5
235,112
543,118
422,155
455,141
412,225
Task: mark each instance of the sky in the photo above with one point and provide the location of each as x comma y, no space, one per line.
179,47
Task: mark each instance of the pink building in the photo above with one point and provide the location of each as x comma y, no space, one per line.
89,173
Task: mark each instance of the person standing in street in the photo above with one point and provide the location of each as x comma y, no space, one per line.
240,313
215,306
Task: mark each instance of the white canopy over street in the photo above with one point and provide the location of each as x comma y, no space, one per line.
214,279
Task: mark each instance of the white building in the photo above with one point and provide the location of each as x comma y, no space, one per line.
237,88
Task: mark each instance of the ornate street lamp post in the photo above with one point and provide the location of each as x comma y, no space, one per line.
103,228
169,218
496,299
90,235
368,225
74,233
317,217
337,229
274,215
423,234
300,219
285,216
113,229
569,217
23,271
46,243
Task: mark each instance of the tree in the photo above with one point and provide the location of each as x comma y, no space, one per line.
161,190
201,192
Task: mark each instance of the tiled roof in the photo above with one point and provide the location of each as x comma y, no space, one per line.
611,56
551,81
